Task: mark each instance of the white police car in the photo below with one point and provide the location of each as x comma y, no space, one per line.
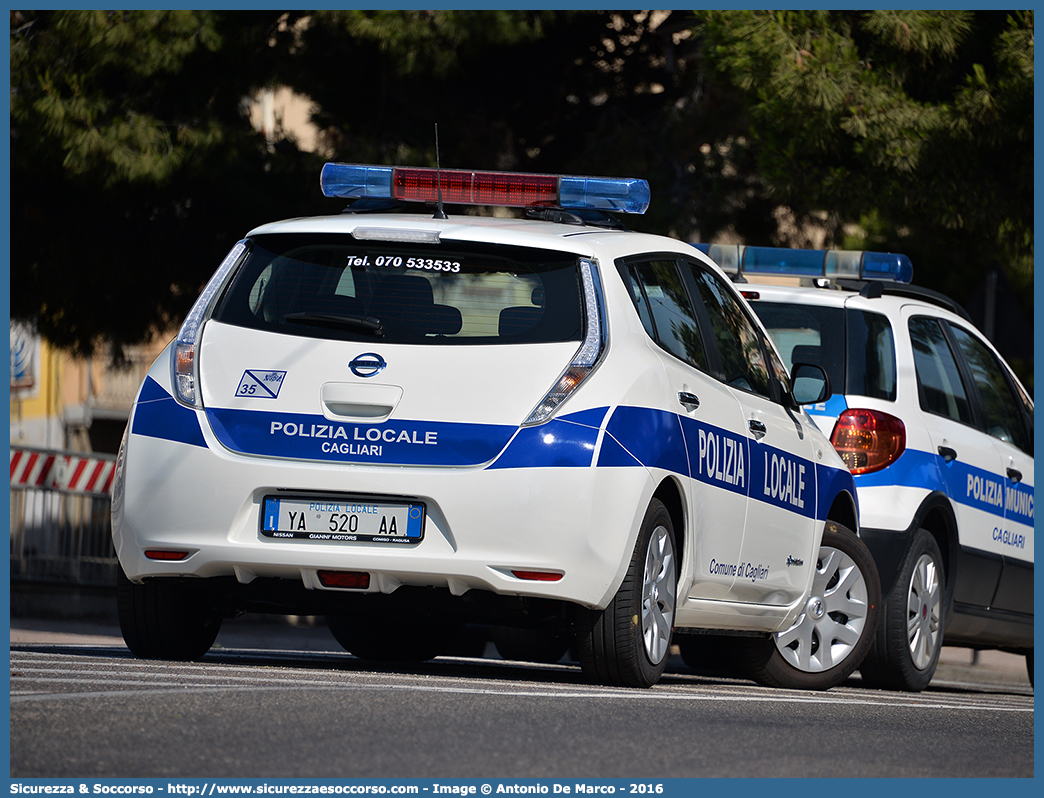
939,434
551,425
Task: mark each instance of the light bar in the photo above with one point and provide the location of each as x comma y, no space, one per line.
461,187
829,263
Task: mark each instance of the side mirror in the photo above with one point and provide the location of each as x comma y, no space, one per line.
810,384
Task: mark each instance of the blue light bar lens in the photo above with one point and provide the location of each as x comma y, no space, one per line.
886,266
351,181
776,260
627,195
828,263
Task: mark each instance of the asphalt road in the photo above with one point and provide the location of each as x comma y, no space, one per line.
272,700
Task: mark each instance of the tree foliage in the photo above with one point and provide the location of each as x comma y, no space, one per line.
916,123
134,166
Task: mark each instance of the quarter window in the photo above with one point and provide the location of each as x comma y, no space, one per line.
666,311
938,380
1003,416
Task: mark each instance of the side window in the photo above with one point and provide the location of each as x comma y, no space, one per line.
666,311
1003,416
744,358
938,379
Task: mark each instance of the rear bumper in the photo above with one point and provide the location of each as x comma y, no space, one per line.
481,524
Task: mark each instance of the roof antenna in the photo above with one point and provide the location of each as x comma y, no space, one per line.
440,213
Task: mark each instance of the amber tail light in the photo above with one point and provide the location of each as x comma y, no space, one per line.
868,440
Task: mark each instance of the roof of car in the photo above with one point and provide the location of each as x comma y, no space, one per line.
580,239
889,295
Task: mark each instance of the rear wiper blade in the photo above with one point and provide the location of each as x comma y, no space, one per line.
367,323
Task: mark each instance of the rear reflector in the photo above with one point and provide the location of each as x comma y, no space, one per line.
537,576
160,554
868,440
358,580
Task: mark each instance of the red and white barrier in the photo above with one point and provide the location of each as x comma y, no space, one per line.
58,471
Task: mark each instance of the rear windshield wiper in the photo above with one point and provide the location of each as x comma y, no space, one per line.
366,323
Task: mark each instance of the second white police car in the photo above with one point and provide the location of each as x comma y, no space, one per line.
938,432
577,434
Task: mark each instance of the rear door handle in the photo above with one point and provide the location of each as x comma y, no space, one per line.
947,453
757,427
689,400
1014,475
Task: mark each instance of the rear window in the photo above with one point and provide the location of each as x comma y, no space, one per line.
855,348
332,286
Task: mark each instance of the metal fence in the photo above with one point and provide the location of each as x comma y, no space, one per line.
60,529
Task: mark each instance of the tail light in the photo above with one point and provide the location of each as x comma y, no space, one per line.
184,368
868,440
586,357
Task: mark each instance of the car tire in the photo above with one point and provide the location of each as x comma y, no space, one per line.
165,618
391,635
835,629
530,645
628,642
905,651
1029,665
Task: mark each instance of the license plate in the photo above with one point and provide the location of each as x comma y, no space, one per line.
337,520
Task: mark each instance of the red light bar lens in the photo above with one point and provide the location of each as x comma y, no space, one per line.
537,576
160,554
357,580
475,188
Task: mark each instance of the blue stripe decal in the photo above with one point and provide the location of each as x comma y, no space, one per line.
963,483
587,418
307,437
645,437
555,444
717,457
158,415
635,437
652,437
783,480
830,482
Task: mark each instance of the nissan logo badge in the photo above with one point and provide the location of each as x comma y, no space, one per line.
367,365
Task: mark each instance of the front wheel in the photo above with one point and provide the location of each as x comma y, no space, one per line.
627,643
165,618
836,627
